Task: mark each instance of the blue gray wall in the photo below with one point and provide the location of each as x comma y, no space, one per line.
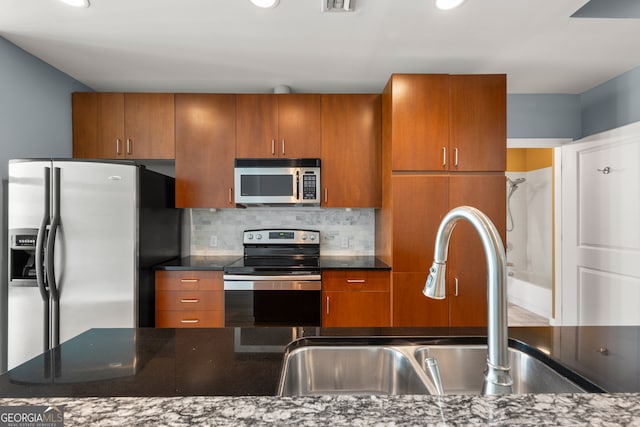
612,104
543,116
35,121
607,106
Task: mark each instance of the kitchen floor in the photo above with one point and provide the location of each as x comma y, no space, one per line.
518,316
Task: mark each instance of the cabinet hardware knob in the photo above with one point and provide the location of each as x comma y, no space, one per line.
273,147
455,152
189,321
356,280
118,146
129,145
603,350
456,282
327,306
444,156
189,300
283,146
606,170
189,280
326,194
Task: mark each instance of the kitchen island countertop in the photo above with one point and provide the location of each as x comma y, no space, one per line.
228,376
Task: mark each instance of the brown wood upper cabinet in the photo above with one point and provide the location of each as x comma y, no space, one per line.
205,150
351,151
445,122
123,125
278,125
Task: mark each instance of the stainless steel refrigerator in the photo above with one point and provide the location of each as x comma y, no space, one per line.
83,238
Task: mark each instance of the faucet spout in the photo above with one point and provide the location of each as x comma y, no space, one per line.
497,379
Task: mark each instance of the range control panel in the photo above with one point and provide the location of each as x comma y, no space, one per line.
281,236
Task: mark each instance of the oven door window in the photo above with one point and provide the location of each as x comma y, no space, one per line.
267,185
277,308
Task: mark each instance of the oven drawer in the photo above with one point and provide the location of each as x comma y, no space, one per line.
189,319
355,280
190,300
183,280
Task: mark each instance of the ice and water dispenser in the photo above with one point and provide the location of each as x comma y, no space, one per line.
22,256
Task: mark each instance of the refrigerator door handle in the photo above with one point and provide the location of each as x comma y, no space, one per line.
42,231
40,272
51,278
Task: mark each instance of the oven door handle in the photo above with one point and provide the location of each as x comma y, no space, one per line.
284,278
273,285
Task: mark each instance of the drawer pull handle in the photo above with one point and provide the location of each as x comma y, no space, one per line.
189,280
189,321
356,280
189,300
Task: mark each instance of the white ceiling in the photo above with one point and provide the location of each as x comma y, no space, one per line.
232,46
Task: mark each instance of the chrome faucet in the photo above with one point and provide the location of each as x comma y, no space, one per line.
497,379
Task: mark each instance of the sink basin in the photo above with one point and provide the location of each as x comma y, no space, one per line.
461,369
351,370
382,366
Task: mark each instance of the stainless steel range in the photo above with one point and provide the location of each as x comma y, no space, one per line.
278,280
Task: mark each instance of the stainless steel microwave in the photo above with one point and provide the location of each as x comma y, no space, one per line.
273,182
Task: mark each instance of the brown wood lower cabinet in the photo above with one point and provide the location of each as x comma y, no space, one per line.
189,299
355,298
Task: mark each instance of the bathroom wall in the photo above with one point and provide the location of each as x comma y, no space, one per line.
342,232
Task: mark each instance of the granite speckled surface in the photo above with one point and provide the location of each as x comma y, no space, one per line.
541,409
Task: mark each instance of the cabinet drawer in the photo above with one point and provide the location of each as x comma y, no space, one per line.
189,319
355,280
189,280
190,300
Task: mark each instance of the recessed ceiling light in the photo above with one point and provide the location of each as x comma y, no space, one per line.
448,4
76,3
265,3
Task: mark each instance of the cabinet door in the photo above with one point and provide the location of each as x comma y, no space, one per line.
256,126
419,121
205,150
355,309
351,151
298,126
478,122
467,260
419,203
411,307
84,118
111,131
149,125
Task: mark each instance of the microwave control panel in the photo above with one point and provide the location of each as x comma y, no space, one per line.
309,186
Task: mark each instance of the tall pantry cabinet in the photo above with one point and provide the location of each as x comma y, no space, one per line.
444,145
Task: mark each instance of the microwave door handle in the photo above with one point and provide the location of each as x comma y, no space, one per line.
298,185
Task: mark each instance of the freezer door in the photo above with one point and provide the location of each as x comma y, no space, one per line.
96,246
25,312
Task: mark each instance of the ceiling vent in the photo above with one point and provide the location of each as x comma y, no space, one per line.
338,5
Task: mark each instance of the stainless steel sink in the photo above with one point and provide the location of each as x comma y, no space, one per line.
351,370
327,367
461,370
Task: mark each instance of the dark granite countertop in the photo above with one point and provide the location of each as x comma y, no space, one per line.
326,263
228,377
247,361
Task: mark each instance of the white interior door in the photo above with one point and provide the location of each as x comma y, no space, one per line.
601,230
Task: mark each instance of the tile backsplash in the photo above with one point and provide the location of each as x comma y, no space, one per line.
342,231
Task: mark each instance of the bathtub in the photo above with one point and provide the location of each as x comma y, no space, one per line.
531,291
